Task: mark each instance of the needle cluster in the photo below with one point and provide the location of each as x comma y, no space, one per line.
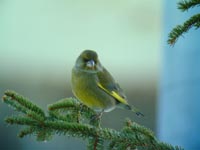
69,117
194,21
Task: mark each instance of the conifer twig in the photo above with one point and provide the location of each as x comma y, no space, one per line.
179,30
193,21
184,5
59,121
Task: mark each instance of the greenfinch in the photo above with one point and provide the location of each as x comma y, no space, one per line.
94,86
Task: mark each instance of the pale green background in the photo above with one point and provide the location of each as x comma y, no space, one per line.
40,40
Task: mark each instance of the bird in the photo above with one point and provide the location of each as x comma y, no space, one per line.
95,87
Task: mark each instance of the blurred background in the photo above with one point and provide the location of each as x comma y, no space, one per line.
40,41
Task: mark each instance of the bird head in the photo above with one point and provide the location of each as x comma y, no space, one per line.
88,61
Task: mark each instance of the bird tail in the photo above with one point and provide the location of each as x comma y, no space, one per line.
135,110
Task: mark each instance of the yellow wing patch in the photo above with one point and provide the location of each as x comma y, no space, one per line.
113,94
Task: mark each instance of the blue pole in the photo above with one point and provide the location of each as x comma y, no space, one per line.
179,95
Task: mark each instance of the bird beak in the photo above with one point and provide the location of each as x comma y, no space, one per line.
90,64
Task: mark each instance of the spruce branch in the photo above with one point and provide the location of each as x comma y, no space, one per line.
21,103
184,5
71,118
179,30
26,131
193,21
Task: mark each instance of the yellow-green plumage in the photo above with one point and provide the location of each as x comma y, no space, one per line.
93,85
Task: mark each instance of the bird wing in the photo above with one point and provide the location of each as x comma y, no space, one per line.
108,85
